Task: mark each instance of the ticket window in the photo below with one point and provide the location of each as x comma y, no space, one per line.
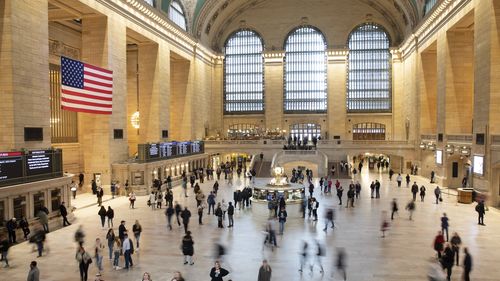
55,199
19,207
2,213
38,202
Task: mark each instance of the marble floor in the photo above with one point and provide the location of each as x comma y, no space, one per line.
403,255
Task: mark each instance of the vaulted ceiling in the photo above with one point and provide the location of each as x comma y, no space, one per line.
213,20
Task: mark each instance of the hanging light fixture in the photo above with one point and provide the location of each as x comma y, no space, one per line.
422,145
449,149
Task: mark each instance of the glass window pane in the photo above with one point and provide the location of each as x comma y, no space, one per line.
305,71
429,4
244,73
176,14
369,70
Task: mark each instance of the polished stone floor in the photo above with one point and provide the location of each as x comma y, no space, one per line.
403,255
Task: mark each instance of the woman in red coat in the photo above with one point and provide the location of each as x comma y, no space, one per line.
438,243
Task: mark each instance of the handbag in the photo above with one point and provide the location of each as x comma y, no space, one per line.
440,199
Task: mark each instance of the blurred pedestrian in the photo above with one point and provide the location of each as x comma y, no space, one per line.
467,264
340,263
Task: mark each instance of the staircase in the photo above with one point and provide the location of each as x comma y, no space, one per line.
338,173
263,169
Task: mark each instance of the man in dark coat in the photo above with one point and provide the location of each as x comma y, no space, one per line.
121,231
186,214
11,229
414,190
64,214
480,211
467,264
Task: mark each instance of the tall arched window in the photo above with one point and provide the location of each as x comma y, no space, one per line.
305,71
369,70
176,14
244,73
429,4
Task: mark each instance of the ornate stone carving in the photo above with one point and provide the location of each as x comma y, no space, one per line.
58,48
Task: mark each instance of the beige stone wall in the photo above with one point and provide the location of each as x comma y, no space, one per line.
428,92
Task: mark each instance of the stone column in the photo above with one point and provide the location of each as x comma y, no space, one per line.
337,111
104,45
24,75
273,77
154,90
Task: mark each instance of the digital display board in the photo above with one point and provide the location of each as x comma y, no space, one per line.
168,149
195,147
39,162
154,151
478,164
11,165
183,148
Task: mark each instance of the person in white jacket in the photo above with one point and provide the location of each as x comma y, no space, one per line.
224,209
152,200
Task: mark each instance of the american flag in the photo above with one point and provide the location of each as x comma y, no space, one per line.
86,88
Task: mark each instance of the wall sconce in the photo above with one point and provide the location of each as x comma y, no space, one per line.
422,145
465,151
135,120
431,146
449,149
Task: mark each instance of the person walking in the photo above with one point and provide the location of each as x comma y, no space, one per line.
467,264
422,193
64,214
377,189
315,206
340,263
200,214
265,272
217,273
303,255
152,200
110,238
444,225
84,260
414,190
178,211
4,249
102,214
117,250
319,254
122,230
230,214
187,248
329,217
177,276
411,208
394,208
38,238
350,197
110,214
184,185
282,215
456,241
399,179
447,260
137,230
480,211
98,253
43,218
186,214
24,225
127,249
437,193
169,212
438,243
407,180
372,189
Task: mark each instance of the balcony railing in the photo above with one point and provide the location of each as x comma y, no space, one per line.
459,138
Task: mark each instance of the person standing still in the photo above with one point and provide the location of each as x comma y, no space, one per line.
186,214
187,248
480,211
437,193
230,214
422,193
414,190
456,241
102,214
399,179
34,273
282,215
394,208
137,230
265,272
200,214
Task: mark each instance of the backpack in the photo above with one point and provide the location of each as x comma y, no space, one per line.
477,208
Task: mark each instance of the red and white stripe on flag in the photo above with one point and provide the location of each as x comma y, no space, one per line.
86,88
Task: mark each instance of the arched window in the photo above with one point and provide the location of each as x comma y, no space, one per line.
305,71
369,70
176,14
429,4
244,73
368,131
303,130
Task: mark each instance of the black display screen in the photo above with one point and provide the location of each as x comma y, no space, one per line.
195,147
39,162
11,165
